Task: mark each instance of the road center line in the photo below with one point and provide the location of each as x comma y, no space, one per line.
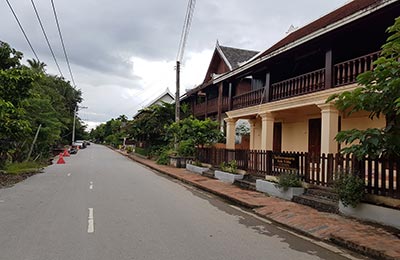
90,221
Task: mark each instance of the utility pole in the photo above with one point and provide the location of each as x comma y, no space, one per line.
177,103
73,126
181,50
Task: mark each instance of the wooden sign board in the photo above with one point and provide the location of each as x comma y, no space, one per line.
286,162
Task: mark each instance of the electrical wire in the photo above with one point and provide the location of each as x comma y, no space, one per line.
23,31
185,29
62,42
47,39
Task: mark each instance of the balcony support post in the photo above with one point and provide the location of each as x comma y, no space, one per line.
267,87
230,97
328,69
220,93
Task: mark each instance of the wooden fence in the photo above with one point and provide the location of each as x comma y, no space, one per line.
382,176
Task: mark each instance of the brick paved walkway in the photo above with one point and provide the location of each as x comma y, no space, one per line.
372,240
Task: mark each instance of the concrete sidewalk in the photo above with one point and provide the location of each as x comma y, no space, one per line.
371,240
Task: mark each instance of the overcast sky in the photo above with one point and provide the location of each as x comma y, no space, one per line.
123,52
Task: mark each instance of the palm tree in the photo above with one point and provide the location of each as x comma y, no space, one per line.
37,65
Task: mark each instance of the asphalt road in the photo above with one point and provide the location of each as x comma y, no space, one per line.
101,205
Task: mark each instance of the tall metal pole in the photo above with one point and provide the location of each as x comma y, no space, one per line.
73,127
177,102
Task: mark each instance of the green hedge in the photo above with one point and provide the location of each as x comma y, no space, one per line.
142,151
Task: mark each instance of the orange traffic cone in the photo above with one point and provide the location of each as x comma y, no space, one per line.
61,159
66,153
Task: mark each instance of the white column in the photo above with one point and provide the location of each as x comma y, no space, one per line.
329,128
252,123
267,131
230,132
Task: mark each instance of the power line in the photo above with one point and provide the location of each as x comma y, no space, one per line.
22,29
62,42
185,30
47,39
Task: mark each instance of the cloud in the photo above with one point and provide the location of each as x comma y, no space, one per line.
123,53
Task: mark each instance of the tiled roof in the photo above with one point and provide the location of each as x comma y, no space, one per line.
337,15
236,56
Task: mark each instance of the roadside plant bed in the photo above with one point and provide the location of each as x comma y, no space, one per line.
374,213
196,168
229,172
285,187
179,161
227,176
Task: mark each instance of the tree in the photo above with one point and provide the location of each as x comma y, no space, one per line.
150,126
379,94
37,66
192,132
15,85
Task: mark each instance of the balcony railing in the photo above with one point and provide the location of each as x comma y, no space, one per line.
210,107
303,84
249,99
343,73
347,72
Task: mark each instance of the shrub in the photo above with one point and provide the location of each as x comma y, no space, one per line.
197,163
231,166
163,158
287,180
142,151
350,188
129,149
186,148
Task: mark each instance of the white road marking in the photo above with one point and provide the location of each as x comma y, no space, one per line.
69,174
90,221
91,185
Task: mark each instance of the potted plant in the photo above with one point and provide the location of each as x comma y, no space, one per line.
196,167
229,172
285,186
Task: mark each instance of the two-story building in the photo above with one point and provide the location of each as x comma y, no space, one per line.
282,91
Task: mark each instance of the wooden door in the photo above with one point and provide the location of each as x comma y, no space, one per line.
314,136
277,143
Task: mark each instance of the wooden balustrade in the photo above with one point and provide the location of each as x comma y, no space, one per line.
303,84
211,106
249,99
347,72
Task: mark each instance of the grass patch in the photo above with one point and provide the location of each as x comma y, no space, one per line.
23,167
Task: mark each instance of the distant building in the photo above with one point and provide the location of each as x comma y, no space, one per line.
165,97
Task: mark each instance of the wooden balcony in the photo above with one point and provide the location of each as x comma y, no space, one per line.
344,73
347,72
249,99
210,107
